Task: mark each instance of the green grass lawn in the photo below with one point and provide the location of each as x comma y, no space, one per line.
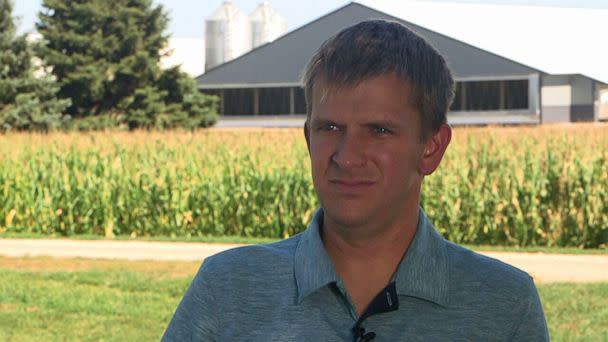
86,306
53,300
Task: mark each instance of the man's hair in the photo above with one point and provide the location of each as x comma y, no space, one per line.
377,47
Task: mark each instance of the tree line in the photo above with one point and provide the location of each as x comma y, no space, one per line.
96,66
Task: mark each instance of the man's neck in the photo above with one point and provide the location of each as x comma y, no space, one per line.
378,239
366,265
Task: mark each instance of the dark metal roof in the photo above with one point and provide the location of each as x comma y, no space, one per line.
281,62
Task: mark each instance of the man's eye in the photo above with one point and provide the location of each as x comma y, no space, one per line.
329,127
381,130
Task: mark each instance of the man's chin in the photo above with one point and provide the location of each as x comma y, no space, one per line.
344,218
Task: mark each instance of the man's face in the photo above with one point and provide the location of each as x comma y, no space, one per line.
365,151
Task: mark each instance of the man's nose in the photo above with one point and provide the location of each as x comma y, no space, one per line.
349,152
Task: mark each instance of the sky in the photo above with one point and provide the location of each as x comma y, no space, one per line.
187,22
188,16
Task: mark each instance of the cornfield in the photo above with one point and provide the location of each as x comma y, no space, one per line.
526,186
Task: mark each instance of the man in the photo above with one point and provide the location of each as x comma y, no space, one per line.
370,265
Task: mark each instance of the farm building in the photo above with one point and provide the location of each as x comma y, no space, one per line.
516,73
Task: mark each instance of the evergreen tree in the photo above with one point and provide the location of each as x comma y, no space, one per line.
26,102
189,108
145,107
105,55
102,51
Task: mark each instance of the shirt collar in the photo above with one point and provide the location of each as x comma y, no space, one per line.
423,272
312,266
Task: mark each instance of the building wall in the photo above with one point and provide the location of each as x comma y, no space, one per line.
583,93
568,98
188,53
556,98
560,98
602,102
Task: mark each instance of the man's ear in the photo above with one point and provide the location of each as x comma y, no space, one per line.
307,135
434,148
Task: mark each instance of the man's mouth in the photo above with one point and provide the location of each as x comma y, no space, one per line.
350,185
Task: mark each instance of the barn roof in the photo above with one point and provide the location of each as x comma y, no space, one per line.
556,40
476,39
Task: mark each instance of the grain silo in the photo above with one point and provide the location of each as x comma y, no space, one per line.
227,35
266,24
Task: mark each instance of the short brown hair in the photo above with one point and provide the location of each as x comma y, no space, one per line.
376,47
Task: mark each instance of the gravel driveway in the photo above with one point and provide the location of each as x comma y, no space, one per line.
542,266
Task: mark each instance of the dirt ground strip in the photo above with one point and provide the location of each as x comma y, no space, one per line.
183,259
171,269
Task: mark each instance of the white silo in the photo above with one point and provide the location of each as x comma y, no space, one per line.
266,24
227,35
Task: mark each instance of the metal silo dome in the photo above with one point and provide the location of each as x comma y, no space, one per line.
227,35
266,24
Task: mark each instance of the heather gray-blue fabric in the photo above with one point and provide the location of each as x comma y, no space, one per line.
289,291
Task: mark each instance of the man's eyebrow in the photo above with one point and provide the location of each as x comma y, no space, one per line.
317,120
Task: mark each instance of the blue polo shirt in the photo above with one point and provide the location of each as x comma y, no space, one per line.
289,291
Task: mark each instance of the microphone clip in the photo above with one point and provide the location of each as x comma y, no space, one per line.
361,335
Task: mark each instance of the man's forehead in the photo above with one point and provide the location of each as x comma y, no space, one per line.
384,100
323,89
